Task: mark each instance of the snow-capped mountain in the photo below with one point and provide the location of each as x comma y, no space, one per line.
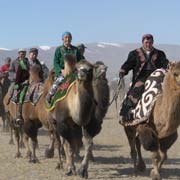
112,54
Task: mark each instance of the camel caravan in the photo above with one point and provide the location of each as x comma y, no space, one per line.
79,115
75,114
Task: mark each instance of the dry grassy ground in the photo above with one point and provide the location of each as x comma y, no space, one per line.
112,159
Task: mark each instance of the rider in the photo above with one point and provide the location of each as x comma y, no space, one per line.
45,70
142,61
21,83
82,48
59,55
13,69
33,54
5,68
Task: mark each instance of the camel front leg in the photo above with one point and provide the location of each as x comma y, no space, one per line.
34,142
141,166
155,175
131,135
71,170
88,144
17,136
60,164
26,143
11,141
163,155
49,152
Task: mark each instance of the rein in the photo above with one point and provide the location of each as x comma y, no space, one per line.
121,84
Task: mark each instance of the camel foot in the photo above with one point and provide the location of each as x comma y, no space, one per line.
59,166
78,157
34,160
49,153
18,155
70,171
154,175
83,173
21,145
11,141
141,166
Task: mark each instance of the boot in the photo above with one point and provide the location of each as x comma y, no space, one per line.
49,98
19,119
53,89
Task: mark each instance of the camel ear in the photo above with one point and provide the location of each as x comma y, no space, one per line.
171,65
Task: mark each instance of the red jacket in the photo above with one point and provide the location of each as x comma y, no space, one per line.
4,68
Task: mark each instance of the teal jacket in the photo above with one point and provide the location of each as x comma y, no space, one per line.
59,55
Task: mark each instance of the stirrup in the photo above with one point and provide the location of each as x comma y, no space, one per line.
19,121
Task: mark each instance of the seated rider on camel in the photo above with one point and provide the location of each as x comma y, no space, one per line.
60,53
21,85
22,79
142,61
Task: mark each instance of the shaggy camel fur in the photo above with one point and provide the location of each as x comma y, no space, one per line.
78,110
161,131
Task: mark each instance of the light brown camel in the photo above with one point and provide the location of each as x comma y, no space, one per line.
33,116
76,111
161,132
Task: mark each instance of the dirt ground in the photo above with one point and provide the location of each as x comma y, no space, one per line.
111,151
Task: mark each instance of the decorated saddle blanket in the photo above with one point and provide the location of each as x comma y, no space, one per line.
62,90
153,88
33,93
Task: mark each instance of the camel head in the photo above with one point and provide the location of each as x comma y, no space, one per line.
84,70
174,72
147,137
99,71
34,72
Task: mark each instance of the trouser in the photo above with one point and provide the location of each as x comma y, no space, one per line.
56,83
21,100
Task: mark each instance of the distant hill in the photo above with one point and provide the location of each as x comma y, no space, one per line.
112,54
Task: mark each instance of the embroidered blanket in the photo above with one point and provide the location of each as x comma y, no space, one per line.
62,90
153,88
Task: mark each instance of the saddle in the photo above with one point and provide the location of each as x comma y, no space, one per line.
153,88
62,90
34,92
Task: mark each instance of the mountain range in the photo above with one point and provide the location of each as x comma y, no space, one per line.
112,54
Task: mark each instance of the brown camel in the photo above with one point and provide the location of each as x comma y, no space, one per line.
4,85
33,116
78,110
161,132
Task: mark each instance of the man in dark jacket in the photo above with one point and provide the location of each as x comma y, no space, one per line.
13,70
33,60
60,53
142,61
21,83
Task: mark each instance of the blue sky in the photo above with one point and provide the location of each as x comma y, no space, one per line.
41,22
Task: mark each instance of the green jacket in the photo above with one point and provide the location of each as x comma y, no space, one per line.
59,55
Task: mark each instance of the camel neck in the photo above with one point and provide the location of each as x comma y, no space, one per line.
170,106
